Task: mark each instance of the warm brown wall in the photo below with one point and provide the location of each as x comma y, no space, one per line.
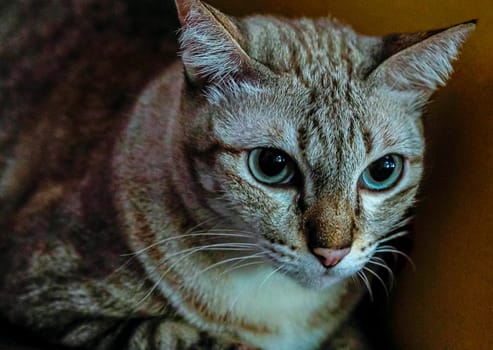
448,302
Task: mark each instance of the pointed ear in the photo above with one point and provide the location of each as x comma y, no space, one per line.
419,62
210,43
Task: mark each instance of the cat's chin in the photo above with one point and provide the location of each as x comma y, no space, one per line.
325,280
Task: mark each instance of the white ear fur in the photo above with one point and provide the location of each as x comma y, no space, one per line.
424,65
209,42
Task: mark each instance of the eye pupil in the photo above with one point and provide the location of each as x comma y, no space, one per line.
271,163
382,169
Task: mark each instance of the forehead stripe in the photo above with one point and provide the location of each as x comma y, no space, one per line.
368,141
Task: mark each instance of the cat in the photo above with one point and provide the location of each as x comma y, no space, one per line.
232,205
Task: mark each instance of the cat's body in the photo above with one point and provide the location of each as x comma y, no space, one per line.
163,233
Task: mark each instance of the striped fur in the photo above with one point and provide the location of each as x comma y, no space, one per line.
163,239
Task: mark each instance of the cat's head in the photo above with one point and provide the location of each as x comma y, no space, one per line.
307,134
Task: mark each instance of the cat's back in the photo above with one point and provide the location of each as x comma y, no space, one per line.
69,72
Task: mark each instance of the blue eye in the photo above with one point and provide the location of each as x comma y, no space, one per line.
271,166
383,173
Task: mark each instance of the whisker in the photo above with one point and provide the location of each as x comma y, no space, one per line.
239,266
122,266
364,278
380,279
230,309
190,251
197,234
393,250
393,236
269,276
148,294
249,233
382,264
239,262
405,221
225,261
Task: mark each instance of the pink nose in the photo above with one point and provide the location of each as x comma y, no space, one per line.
330,257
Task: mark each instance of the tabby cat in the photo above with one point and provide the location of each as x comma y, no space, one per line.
233,205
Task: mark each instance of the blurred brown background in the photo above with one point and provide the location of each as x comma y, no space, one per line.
447,303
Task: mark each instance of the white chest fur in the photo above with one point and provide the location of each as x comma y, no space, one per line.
297,318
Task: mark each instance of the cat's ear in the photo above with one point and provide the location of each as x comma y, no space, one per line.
211,43
421,61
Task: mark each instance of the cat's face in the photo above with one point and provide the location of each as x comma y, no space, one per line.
314,146
318,196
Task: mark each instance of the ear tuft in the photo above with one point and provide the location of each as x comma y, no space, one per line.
421,61
210,43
